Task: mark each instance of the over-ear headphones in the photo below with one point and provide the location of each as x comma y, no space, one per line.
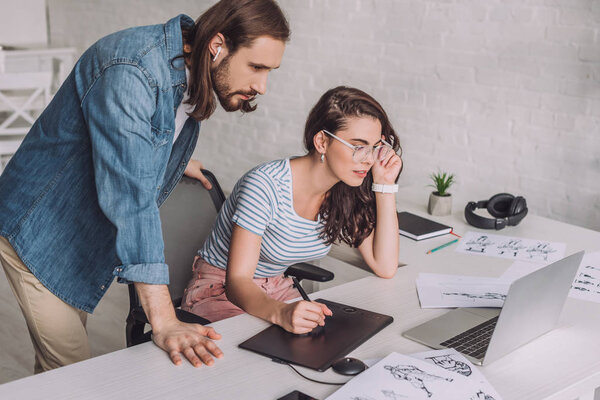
506,208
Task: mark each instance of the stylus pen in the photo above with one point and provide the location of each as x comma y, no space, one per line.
442,246
300,289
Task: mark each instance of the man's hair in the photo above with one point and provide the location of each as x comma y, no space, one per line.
240,22
348,213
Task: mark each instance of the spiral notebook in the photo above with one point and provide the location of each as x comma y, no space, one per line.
419,228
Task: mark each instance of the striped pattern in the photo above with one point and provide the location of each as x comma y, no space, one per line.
261,202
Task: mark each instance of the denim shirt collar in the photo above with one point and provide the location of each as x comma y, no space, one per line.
174,41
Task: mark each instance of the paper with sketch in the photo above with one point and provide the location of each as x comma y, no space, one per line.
443,291
586,285
453,361
511,247
402,377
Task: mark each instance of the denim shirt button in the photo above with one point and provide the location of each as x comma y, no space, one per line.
102,287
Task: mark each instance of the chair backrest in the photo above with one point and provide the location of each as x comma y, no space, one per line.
23,96
7,149
187,217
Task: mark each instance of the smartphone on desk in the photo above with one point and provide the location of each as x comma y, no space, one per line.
296,395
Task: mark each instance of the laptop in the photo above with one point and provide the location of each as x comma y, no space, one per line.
532,307
347,329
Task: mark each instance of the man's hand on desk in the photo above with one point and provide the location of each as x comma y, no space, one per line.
194,341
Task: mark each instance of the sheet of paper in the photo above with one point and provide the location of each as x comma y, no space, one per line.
402,377
453,361
519,269
586,285
444,291
513,248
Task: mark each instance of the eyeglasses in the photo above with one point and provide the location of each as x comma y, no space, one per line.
362,153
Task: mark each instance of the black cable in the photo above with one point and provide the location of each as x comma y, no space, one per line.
306,377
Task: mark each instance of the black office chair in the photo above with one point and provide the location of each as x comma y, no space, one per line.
187,217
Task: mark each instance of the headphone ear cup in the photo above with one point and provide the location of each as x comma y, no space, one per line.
518,205
499,205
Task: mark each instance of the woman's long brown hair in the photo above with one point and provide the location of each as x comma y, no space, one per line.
240,22
348,213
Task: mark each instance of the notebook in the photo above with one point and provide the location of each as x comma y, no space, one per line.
347,329
419,228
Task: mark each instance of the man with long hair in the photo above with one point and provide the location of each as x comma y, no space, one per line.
79,200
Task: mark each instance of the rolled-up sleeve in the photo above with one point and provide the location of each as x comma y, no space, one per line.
118,110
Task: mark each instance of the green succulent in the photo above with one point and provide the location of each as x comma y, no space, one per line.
442,182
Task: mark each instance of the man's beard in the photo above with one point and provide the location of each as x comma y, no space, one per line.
220,79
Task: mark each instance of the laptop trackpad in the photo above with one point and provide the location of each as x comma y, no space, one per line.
454,322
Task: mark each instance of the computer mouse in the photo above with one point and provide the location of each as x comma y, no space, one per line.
348,366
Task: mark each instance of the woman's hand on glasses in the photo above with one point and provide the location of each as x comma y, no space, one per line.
386,169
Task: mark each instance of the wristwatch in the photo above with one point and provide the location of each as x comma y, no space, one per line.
376,187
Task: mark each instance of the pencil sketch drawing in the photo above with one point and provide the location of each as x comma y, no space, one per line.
446,361
487,295
513,246
482,396
479,245
580,288
540,250
390,394
415,376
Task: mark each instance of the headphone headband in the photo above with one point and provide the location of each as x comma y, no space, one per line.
505,208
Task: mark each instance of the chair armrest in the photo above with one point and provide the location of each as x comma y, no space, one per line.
190,318
140,316
309,271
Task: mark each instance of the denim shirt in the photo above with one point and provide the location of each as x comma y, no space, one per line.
79,199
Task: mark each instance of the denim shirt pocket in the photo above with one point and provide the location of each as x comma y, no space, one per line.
161,137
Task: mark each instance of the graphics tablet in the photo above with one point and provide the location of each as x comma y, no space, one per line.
347,329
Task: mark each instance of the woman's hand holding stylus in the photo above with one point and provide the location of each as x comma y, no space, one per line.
302,316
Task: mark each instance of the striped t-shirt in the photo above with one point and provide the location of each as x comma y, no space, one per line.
261,202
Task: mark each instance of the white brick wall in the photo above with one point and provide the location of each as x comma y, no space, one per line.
505,93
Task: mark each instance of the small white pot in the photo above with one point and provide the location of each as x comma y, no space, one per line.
439,205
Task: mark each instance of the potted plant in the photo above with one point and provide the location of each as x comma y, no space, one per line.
440,201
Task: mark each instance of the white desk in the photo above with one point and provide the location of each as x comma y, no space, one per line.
562,364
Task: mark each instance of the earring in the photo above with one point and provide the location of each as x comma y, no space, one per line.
217,54
322,157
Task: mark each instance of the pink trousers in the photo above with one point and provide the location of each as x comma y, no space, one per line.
205,293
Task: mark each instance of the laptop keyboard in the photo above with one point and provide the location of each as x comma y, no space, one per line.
475,341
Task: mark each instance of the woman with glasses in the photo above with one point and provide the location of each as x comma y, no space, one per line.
292,210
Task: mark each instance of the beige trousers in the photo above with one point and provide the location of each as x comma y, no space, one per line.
57,329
